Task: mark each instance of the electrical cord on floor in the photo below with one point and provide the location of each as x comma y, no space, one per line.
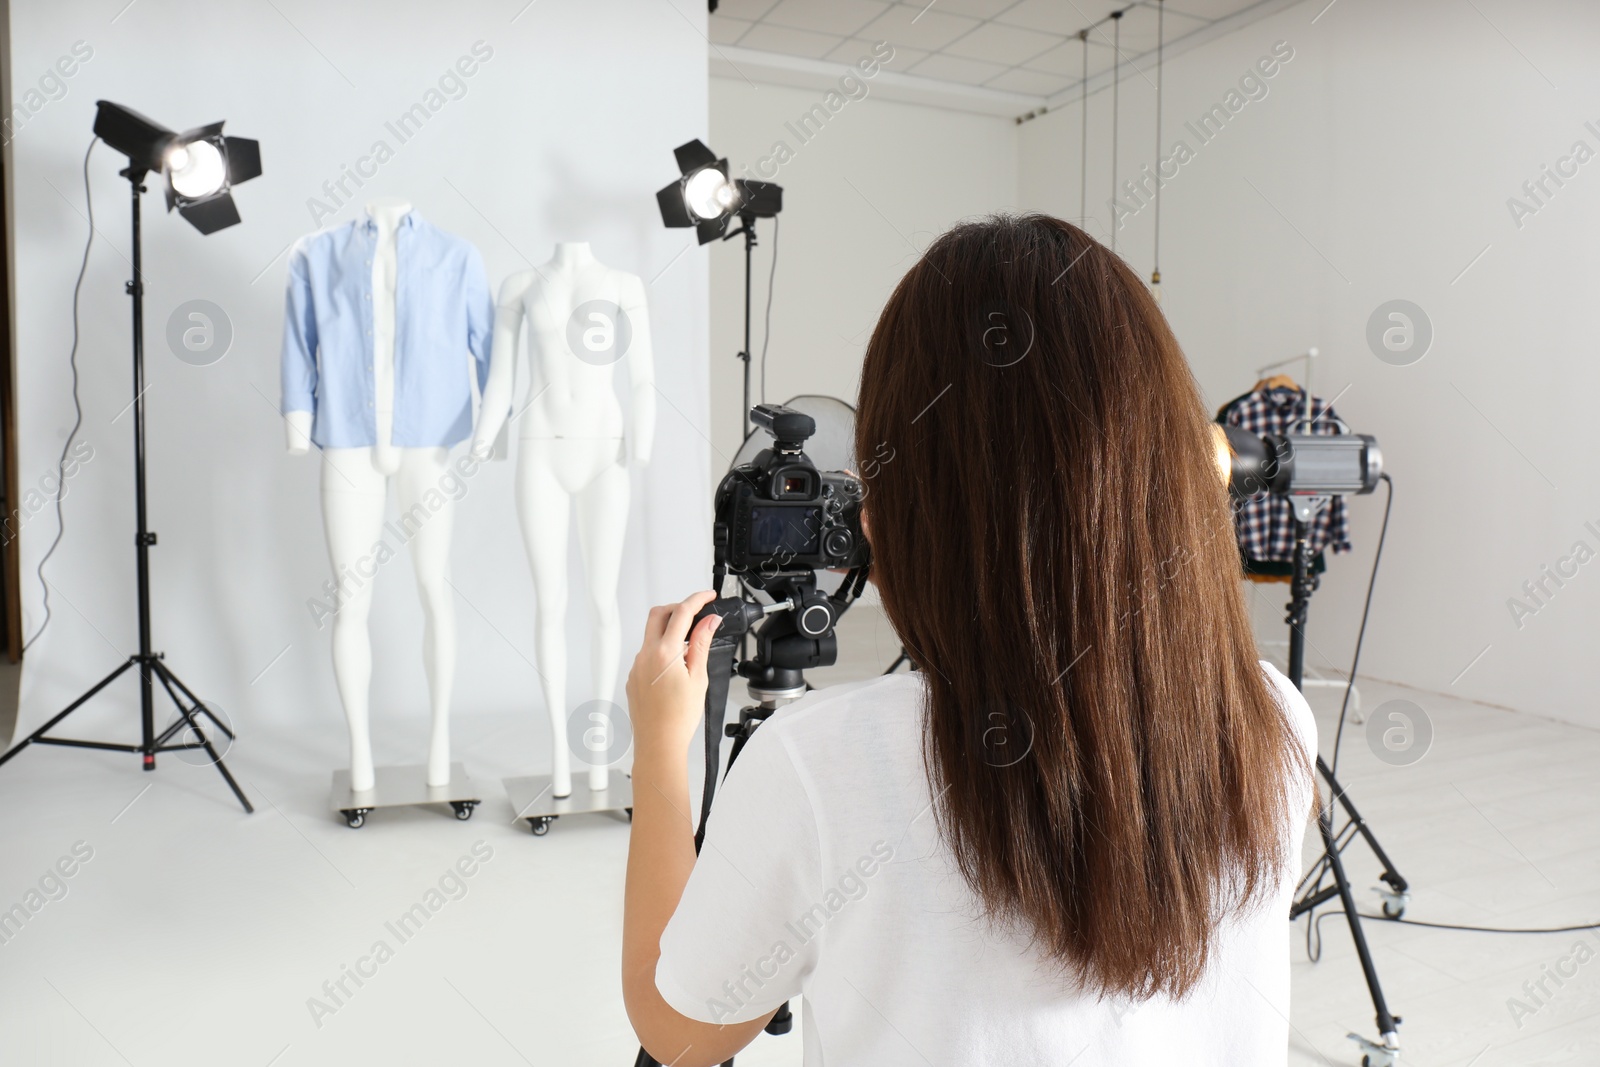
766,335
77,404
1402,921
1361,634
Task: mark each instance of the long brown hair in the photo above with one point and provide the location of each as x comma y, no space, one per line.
1053,544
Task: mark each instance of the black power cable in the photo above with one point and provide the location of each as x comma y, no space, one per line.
77,404
1361,634
766,334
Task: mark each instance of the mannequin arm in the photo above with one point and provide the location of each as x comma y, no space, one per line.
642,374
297,430
299,356
501,385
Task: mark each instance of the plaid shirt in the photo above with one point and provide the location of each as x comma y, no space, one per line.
1264,523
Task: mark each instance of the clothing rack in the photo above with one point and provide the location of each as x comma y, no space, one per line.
1310,357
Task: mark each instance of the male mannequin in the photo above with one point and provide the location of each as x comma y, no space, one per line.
576,444
360,454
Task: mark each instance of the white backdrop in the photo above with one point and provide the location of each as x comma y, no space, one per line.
563,133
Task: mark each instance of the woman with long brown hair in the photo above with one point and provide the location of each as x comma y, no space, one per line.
1071,835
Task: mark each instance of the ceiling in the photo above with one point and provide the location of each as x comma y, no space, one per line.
1013,53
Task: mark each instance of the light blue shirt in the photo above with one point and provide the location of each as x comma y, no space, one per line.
443,310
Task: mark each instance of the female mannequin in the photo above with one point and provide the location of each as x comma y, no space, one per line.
576,444
355,478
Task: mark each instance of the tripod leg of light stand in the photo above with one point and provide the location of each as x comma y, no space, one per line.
167,679
1386,1054
1395,904
38,736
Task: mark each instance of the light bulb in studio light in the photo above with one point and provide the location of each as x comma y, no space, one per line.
708,193
196,169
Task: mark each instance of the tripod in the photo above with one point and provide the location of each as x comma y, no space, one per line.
151,665
1386,1051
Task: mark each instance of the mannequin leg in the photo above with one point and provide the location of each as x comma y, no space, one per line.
418,486
352,517
543,507
602,522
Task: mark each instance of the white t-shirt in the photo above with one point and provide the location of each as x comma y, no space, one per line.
824,875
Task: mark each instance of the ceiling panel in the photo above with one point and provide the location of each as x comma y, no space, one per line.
919,27
958,69
998,43
1024,47
825,16
788,42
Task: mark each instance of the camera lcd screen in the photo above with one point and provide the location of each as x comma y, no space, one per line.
790,531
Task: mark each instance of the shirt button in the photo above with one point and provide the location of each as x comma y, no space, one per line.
369,262
367,295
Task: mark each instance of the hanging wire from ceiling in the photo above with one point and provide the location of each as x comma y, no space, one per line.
1116,82
1161,35
1083,128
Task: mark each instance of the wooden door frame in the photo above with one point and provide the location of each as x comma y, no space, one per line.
10,542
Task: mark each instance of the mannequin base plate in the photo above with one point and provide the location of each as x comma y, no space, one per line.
532,799
396,787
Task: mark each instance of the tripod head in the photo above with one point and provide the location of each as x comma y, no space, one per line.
793,634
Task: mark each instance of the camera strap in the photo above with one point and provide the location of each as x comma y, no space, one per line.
719,675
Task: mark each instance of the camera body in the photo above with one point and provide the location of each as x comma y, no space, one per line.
779,516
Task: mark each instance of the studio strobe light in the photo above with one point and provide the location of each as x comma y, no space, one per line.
706,198
1302,466
200,166
199,169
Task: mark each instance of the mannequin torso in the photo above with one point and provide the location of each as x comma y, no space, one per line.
575,443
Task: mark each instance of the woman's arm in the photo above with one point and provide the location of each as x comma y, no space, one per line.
666,693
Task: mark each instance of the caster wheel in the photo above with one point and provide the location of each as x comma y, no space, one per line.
539,826
1393,910
1366,1061
355,819
463,809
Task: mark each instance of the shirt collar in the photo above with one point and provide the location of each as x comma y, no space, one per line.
410,222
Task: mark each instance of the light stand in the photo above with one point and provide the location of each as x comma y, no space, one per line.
706,198
747,227
203,198
1302,585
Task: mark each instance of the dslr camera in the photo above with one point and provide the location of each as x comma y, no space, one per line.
778,516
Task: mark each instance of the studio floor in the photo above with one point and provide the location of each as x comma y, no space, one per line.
193,934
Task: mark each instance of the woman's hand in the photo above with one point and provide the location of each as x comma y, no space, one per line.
667,685
666,694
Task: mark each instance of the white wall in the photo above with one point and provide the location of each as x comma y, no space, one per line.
1378,167
862,198
565,133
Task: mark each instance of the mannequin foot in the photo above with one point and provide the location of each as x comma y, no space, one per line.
361,777
561,783
599,779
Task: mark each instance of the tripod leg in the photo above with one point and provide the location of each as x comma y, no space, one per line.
216,759
1386,1022
167,679
1389,875
68,710
200,705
